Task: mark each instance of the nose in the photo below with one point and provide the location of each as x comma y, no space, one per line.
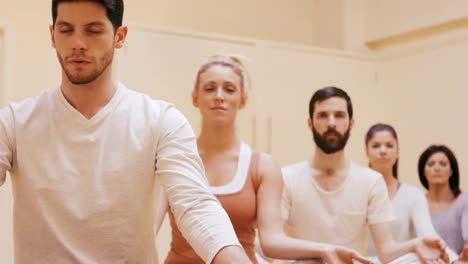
383,150
331,121
78,41
219,94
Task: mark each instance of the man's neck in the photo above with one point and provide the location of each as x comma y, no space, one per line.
328,163
89,99
329,170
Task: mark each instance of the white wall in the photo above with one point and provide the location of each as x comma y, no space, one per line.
390,17
330,24
354,25
423,93
290,21
34,66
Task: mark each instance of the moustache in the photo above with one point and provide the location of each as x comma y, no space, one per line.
78,56
331,132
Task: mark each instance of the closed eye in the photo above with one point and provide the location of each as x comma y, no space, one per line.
94,31
322,115
209,87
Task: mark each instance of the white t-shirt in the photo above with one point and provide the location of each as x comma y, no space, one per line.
337,217
83,188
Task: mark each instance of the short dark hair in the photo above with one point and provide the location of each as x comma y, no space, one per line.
328,92
383,127
114,10
454,180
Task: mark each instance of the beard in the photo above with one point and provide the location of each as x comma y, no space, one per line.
87,77
331,145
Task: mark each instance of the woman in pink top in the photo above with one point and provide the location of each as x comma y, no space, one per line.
221,90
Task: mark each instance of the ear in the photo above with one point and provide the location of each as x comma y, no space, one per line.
367,151
120,36
52,36
309,122
195,98
351,123
243,101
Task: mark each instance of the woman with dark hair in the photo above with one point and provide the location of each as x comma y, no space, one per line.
439,174
412,218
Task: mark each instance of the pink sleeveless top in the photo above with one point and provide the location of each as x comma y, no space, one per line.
241,207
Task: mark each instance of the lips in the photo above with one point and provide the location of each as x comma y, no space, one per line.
78,60
218,108
331,134
384,159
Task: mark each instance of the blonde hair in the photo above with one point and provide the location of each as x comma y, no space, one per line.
229,61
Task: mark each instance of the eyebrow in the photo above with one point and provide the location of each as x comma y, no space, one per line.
95,23
90,24
332,111
62,23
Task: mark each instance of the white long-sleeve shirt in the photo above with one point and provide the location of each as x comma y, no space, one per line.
83,188
412,218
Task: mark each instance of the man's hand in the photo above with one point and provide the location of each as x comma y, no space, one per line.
431,251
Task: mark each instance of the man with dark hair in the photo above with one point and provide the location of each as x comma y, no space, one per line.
84,156
330,199
114,10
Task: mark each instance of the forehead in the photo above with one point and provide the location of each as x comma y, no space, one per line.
81,13
219,72
438,156
332,104
383,135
